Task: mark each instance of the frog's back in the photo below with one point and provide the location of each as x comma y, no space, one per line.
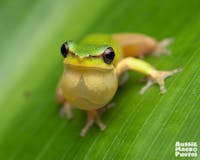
105,39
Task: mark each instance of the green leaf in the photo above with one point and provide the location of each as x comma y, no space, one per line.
139,126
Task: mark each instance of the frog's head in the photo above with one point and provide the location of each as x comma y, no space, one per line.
86,55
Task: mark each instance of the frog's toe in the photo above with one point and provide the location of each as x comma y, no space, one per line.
162,76
162,47
147,86
92,116
86,127
159,78
66,111
101,125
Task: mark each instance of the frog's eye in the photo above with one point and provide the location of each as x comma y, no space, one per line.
108,55
64,49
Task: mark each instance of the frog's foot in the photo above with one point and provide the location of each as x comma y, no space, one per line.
66,111
162,47
92,116
159,78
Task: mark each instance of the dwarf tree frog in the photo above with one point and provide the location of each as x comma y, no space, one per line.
96,66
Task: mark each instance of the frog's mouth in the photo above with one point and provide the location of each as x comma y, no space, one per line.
89,67
89,63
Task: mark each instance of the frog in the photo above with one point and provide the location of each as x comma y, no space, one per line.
96,66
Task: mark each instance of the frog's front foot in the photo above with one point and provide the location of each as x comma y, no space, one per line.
66,111
159,78
92,116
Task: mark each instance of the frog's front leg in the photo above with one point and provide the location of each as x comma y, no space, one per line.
66,108
160,76
154,75
92,116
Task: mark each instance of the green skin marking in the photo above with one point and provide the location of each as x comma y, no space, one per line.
86,50
86,55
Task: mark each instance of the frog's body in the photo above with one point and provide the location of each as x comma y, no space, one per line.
88,88
92,74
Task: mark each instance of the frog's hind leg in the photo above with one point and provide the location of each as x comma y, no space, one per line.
162,47
140,45
65,111
92,117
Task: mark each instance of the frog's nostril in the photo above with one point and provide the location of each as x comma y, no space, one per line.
64,49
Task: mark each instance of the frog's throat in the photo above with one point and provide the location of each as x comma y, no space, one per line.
82,89
87,86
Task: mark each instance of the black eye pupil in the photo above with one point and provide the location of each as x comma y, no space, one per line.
64,49
108,55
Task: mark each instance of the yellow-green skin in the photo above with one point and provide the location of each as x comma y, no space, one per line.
89,83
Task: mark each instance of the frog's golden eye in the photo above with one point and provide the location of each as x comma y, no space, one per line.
108,55
64,49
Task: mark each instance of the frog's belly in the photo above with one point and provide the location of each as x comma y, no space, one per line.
89,89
